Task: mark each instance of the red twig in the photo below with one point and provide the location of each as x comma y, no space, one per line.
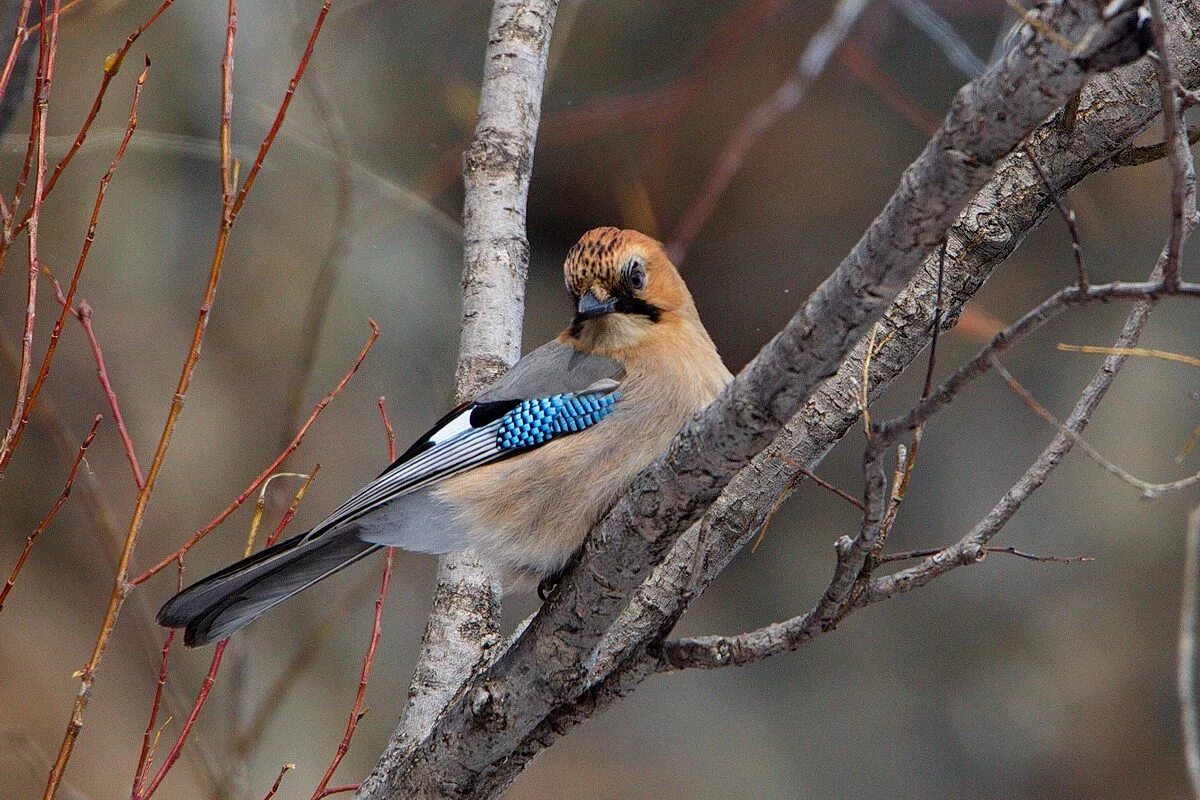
37,132
388,432
271,468
44,371
201,697
283,107
142,770
893,95
121,585
356,712
784,99
51,514
349,787
291,510
83,313
278,780
112,65
20,36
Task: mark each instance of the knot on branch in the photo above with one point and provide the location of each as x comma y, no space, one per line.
487,702
497,153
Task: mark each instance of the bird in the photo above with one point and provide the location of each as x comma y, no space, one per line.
521,473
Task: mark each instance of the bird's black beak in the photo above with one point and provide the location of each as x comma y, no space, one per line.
591,306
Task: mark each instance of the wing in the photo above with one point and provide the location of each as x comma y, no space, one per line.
552,392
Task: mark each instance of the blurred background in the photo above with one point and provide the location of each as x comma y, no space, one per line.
1010,679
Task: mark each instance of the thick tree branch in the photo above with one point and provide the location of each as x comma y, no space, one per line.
549,664
1115,109
463,624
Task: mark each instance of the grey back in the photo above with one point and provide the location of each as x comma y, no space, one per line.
552,368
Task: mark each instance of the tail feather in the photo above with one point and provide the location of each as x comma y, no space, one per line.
224,602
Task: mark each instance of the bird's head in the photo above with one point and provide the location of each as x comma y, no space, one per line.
624,286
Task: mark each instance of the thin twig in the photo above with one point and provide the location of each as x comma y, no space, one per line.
356,711
1165,355
909,555
1068,216
269,470
142,771
14,436
1149,490
112,66
48,49
201,698
812,63
1139,156
51,514
284,770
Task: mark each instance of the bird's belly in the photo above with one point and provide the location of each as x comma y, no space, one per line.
528,514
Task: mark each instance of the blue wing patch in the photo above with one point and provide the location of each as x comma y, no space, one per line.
541,419
475,435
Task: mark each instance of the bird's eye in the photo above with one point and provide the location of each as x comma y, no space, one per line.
635,274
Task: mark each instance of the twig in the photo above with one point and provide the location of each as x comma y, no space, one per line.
260,505
51,514
862,66
1165,355
356,711
15,433
291,509
1138,156
350,787
1030,18
17,65
273,131
909,555
1149,491
341,229
1189,716
812,63
247,739
464,621
824,484
1068,216
942,33
270,468
387,430
112,66
201,697
1183,170
141,772
278,780
121,584
48,49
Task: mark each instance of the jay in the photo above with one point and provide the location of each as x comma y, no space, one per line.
525,470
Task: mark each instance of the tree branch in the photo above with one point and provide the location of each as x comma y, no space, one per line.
480,740
463,625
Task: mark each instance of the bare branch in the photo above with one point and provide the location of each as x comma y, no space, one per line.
1115,108
549,664
812,63
464,622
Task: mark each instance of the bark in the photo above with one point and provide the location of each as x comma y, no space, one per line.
463,625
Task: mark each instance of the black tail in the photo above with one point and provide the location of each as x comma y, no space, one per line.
225,601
